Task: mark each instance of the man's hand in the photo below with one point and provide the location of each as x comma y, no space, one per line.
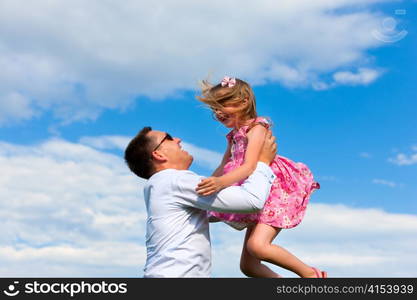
269,149
209,186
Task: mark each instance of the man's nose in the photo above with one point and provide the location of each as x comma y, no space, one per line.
177,140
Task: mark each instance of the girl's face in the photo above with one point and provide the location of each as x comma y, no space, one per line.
228,114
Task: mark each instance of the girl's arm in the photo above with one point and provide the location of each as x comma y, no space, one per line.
219,171
256,137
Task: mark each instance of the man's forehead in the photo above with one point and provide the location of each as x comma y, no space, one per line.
155,133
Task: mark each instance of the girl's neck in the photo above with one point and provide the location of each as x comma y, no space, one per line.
244,123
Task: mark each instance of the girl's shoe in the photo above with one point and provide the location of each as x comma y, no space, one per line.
320,274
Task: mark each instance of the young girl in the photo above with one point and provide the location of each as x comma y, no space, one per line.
233,104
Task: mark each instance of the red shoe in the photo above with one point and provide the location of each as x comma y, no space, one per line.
320,274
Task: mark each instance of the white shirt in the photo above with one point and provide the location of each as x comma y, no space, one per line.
177,228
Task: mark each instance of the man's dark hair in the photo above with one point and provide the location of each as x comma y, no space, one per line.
138,154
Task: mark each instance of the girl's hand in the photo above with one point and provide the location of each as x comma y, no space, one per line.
209,186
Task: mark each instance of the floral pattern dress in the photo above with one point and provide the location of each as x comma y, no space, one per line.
289,195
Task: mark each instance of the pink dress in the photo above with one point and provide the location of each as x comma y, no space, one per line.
289,195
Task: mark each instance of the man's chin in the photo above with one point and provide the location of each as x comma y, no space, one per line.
191,159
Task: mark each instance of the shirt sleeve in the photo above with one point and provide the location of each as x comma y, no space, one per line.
246,198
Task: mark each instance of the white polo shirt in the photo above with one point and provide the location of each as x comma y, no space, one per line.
177,229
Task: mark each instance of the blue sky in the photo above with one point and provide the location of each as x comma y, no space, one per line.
337,79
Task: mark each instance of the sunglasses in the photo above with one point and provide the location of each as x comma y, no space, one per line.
166,137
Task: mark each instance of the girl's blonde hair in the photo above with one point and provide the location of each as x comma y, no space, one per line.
217,96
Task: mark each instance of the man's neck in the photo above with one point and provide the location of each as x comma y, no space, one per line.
169,166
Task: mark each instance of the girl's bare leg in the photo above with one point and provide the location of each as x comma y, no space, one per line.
250,265
259,245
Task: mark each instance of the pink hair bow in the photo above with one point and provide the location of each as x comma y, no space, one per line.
228,81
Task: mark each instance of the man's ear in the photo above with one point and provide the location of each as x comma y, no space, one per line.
158,156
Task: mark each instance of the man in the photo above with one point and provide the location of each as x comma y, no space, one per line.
177,232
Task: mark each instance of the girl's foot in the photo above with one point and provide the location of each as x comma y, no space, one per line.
319,273
316,273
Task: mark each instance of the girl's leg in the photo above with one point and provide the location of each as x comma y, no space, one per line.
250,265
259,245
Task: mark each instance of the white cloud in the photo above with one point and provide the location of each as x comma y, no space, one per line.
385,182
15,106
364,76
321,86
71,210
106,142
404,160
57,60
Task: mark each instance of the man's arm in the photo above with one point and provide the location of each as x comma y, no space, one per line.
249,197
